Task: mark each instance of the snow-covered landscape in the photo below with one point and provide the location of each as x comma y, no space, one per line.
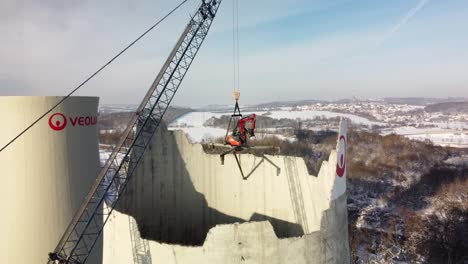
408,120
193,125
394,192
403,185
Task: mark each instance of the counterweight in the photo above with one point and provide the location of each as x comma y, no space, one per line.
88,223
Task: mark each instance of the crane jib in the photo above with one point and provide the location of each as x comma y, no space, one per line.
87,224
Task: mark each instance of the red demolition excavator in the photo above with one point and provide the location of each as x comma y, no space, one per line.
244,128
238,139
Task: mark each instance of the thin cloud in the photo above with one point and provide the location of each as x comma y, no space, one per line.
402,22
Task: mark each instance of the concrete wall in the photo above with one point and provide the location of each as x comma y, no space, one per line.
45,173
180,196
250,242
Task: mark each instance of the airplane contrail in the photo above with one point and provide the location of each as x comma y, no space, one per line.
403,21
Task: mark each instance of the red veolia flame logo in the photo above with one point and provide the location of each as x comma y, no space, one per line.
57,121
341,162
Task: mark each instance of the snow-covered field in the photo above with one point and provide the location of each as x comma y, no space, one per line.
453,134
193,123
310,114
438,136
456,139
450,125
412,121
105,151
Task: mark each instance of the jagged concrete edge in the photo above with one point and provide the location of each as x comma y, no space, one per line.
332,158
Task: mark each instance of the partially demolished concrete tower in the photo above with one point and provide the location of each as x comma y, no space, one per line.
192,209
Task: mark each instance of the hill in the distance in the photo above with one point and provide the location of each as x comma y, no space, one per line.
420,100
449,107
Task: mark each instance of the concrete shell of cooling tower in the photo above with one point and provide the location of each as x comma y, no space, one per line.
46,173
192,209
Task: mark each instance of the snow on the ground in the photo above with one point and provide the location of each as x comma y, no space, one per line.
104,153
451,125
456,139
438,136
460,160
200,134
194,119
408,130
444,134
309,114
192,123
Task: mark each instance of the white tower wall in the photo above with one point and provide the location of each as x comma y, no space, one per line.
196,210
45,174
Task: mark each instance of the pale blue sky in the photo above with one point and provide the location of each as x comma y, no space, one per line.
297,49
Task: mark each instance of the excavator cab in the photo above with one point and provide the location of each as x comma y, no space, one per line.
243,130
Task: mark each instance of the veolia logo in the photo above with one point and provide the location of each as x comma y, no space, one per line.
341,162
58,121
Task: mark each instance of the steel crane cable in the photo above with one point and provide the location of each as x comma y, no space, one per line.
94,74
235,45
238,49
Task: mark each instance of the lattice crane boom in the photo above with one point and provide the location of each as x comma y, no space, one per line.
87,224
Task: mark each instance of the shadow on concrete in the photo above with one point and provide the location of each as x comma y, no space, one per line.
283,229
166,206
334,241
223,150
263,159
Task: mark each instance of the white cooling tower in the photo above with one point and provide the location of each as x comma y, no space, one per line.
45,174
